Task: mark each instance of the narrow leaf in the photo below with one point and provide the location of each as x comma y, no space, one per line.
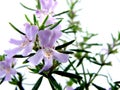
56,24
68,67
66,52
36,86
2,80
16,29
64,45
21,56
64,12
28,19
38,6
80,50
54,83
43,23
81,60
67,28
98,87
70,75
27,7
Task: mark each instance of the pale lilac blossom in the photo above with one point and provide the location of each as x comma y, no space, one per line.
69,88
6,68
47,52
48,6
47,9
26,43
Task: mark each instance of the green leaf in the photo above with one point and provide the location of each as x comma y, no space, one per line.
64,12
81,87
118,35
80,60
70,75
27,7
53,83
70,27
2,79
2,57
66,52
16,29
28,19
38,6
56,24
98,87
43,23
21,56
64,45
34,19
68,67
36,86
80,50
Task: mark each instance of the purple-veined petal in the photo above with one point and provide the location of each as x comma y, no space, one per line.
48,37
6,68
69,88
56,35
37,58
47,65
54,5
60,56
31,31
48,5
13,71
10,53
27,49
2,73
51,20
45,37
8,77
16,42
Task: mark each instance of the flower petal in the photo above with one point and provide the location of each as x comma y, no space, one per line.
60,56
7,77
45,37
16,42
10,53
2,73
56,34
31,31
37,58
48,5
69,88
48,64
27,49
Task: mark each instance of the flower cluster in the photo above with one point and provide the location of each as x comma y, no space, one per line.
6,68
36,39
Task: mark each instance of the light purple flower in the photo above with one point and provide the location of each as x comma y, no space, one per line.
47,52
6,68
69,88
26,43
47,9
48,5
42,16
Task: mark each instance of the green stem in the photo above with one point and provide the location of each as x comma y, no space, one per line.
96,74
86,85
74,70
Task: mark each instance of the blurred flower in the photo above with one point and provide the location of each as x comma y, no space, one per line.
6,68
47,52
69,88
48,5
47,9
27,42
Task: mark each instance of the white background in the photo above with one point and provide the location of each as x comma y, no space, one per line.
98,16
